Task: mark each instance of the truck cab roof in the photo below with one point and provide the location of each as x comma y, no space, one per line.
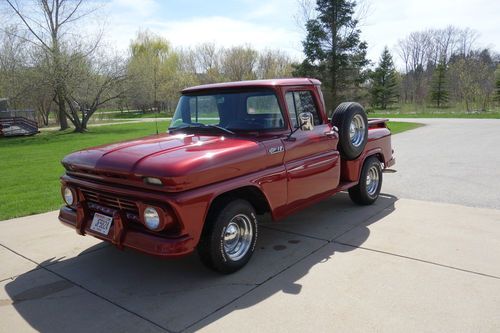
253,84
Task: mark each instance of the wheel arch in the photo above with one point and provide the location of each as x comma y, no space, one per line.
351,170
378,155
251,193
369,184
372,153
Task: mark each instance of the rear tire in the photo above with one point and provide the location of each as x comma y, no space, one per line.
370,183
350,118
229,236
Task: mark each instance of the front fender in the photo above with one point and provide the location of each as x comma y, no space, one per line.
193,206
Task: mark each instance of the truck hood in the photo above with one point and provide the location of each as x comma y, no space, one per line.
181,161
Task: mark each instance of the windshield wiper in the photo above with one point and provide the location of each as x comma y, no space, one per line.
180,128
221,128
208,126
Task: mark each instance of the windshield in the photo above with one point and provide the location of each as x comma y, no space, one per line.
245,111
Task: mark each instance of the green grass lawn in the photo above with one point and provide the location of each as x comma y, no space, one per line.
398,127
30,166
132,115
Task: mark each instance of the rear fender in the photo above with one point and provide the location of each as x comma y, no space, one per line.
379,144
351,169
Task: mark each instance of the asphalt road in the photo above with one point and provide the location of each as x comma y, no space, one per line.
423,258
448,160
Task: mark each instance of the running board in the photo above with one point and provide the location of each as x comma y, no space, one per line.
389,171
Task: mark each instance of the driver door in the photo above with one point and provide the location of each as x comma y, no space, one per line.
311,159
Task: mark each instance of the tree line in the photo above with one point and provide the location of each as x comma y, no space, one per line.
445,66
441,67
157,71
49,64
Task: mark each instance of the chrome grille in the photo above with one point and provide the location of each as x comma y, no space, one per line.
92,172
110,201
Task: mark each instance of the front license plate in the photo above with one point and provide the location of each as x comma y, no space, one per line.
101,223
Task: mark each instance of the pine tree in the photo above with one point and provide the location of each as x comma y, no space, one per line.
439,90
334,52
384,84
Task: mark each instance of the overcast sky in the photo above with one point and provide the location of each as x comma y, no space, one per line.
271,24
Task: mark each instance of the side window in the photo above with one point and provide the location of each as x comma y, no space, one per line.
301,101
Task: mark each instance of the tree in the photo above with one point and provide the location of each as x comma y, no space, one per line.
439,89
497,85
273,64
473,77
100,81
422,51
208,60
48,24
41,95
444,42
238,63
415,51
14,57
466,41
333,49
152,64
384,83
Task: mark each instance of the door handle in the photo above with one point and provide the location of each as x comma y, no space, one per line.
333,132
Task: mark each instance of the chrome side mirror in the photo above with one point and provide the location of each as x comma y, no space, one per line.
306,120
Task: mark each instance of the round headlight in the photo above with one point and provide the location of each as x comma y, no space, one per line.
68,196
151,218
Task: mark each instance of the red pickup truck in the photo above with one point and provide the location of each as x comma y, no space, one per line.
233,151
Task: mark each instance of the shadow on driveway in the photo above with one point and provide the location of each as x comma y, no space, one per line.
177,295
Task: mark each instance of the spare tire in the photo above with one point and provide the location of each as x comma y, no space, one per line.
350,118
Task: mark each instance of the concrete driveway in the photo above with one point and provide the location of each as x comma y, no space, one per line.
449,160
425,257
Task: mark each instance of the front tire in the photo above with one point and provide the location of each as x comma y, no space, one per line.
229,236
370,183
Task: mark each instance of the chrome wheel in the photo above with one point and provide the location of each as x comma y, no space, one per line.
357,130
372,180
366,192
237,237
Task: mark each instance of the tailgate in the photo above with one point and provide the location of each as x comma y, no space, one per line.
377,123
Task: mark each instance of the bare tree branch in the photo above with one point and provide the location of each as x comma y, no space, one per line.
28,26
